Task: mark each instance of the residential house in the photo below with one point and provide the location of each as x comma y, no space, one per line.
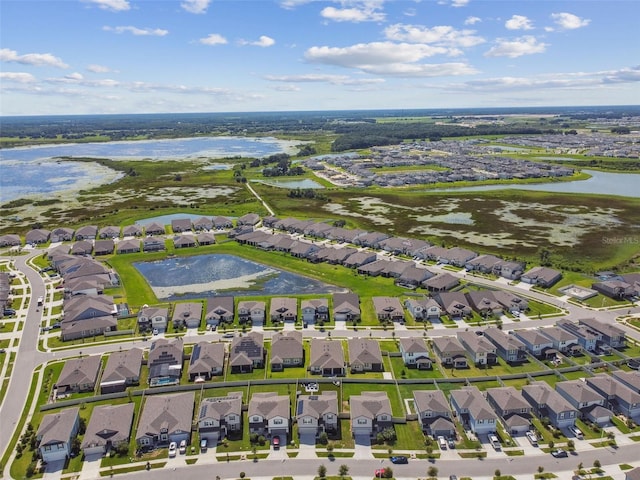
455,304
283,309
512,407
153,244
315,310
434,413
249,219
82,247
450,352
62,234
188,314
403,246
423,309
219,310
483,302
108,428
269,414
132,231
153,318
303,249
121,371
629,379
365,355
457,256
619,397
562,340
633,474
222,223
165,419
538,344
412,276
78,375
481,350
206,238
483,264
509,270
165,361
184,241
346,307
88,232
286,350
179,225
110,231
441,282
220,417
617,289
586,337
370,239
327,358
251,311
581,396
541,276
548,403
207,361
317,413
370,413
508,346
388,309
103,247
473,410
609,334
415,353
129,245
154,228
202,223
56,433
10,240
359,258
247,353
511,302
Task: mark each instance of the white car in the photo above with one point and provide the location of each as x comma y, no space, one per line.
183,447
173,449
577,432
442,442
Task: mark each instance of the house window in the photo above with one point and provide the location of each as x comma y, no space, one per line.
164,437
329,416
47,448
307,420
255,419
232,418
561,415
383,418
277,421
362,421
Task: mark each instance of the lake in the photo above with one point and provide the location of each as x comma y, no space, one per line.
221,274
303,184
38,170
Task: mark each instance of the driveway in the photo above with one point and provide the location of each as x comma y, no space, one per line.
363,447
307,446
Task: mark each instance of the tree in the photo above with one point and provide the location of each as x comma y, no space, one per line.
540,469
343,470
432,471
596,463
497,473
322,471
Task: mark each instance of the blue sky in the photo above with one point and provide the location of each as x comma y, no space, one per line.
145,56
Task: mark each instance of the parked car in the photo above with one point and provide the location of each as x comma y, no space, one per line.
276,442
204,444
399,459
453,477
533,438
559,453
442,442
379,473
227,335
183,446
9,311
576,432
173,449
495,443
452,443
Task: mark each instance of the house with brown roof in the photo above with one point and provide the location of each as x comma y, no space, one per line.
37,236
220,417
346,307
541,276
165,361
247,353
365,355
370,413
129,245
473,410
165,419
315,310
283,309
108,428
56,433
455,304
434,413
415,353
62,234
547,403
251,311
286,350
154,228
184,241
388,309
317,413
206,238
219,310
207,361
512,407
153,244
327,358
78,375
269,414
110,231
121,371
179,225
103,247
481,350
153,318
202,223
132,231
450,351
188,314
510,348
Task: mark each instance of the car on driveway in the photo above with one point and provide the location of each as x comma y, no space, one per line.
173,449
399,459
227,335
276,442
204,444
183,447
559,453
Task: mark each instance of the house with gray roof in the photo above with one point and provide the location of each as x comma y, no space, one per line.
314,310
511,302
129,245
56,433
432,253
165,419
508,346
473,410
108,428
132,231
619,397
548,403
110,231
413,276
251,311
541,276
154,228
370,239
202,223
10,240
617,289
304,249
206,238
121,371
450,351
562,340
364,355
415,353
188,314
586,337
538,344
78,375
482,264
434,413
269,414
179,225
455,304
388,309
629,379
317,413
153,318
403,246
457,256
219,310
483,302
103,247
165,361
326,358
633,474
370,413
222,223
247,353
88,232
249,219
584,398
283,309
509,269
62,234
286,350
396,269
81,247
207,361
512,407
318,230
481,350
346,307
219,417
423,309
360,258
153,244
608,333
441,282
184,241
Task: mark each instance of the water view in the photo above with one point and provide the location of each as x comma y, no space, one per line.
304,184
221,274
167,219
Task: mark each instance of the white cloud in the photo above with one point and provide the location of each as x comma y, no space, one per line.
454,3
472,20
98,68
519,22
195,6
213,39
526,45
18,77
291,4
35,59
623,75
568,21
441,35
155,32
263,41
74,76
323,78
367,11
113,5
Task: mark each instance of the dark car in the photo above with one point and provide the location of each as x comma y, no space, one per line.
453,477
399,459
559,453
9,311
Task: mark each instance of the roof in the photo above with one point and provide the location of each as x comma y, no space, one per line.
387,305
507,398
612,387
326,354
269,405
186,311
413,345
579,391
430,401
57,427
369,405
109,423
542,394
471,398
247,348
503,340
448,345
165,350
220,407
171,413
122,365
206,356
286,345
346,302
77,371
607,329
364,351
317,405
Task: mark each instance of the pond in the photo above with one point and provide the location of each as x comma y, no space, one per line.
167,219
305,183
221,274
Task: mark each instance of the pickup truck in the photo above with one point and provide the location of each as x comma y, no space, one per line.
533,438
